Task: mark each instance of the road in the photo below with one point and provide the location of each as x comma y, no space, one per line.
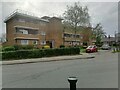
98,72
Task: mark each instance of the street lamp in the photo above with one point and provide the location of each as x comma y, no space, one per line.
109,39
63,35
115,38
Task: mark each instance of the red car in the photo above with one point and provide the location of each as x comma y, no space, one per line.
91,49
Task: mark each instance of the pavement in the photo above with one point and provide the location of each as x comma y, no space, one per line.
49,59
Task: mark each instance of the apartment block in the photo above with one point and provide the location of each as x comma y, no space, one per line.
83,35
25,29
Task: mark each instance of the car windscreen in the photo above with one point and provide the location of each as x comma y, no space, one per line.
90,46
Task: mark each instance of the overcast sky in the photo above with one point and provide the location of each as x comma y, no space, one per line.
105,13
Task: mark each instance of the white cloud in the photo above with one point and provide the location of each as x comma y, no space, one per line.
61,0
0,17
103,12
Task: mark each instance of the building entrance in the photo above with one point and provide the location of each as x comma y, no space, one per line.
50,43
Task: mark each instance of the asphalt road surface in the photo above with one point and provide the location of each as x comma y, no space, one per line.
98,72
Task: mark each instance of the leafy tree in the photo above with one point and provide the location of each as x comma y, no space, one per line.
98,33
76,16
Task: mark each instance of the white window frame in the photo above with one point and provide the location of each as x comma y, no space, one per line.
23,31
24,42
43,33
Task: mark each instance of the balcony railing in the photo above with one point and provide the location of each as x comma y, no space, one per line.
26,36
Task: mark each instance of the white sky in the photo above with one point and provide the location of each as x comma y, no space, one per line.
104,11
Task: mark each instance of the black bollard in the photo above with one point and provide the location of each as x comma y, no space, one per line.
72,81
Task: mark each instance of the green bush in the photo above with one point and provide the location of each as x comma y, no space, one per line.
8,48
62,46
48,52
9,55
26,47
17,47
0,49
38,53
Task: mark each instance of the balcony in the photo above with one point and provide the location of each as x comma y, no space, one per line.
27,36
72,39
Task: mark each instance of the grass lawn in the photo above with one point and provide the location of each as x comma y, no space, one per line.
115,51
82,50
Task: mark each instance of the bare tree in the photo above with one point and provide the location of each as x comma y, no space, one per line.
76,16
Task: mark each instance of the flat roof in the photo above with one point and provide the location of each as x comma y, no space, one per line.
23,14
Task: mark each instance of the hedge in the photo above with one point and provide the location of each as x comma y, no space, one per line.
8,48
38,53
62,46
17,47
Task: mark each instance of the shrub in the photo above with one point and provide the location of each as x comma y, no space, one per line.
23,47
9,55
22,54
8,48
48,52
35,54
38,53
26,47
57,51
62,46
17,47
0,49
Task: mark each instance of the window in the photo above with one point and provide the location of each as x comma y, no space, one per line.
24,42
21,31
24,30
77,36
43,33
81,37
73,36
67,35
34,32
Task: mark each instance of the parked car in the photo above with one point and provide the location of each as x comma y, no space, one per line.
91,49
105,47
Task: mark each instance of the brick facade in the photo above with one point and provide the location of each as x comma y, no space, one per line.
23,29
